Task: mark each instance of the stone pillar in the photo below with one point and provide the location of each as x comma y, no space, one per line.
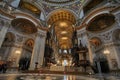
82,34
90,49
38,50
3,32
6,54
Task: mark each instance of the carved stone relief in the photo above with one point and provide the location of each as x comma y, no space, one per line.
19,38
107,36
41,34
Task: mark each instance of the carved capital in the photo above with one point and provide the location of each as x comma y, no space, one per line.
107,37
41,35
7,24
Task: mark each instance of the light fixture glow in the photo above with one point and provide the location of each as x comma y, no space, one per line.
63,32
64,38
63,24
17,51
49,26
106,52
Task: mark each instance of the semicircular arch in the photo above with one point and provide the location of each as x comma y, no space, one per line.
62,13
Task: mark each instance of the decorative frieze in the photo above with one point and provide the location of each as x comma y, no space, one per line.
19,38
107,36
41,34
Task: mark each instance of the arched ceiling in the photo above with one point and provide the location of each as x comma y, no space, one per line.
63,22
62,15
101,22
24,26
64,32
59,2
27,6
95,41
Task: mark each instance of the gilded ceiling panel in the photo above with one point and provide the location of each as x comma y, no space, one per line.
30,7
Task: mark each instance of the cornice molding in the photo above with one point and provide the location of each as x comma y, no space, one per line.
4,13
93,14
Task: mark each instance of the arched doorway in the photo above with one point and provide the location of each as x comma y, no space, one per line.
6,47
116,41
25,58
100,57
102,60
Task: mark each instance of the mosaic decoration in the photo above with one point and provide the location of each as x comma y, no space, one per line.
50,5
24,26
101,22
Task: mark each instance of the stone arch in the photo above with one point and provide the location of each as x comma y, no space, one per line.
7,44
116,35
101,22
26,54
10,37
96,12
62,19
29,43
64,10
24,26
28,17
96,42
28,4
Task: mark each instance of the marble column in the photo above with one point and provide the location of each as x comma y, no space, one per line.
38,50
6,54
14,56
84,36
3,32
90,49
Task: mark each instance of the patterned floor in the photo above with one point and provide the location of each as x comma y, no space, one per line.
29,76
43,77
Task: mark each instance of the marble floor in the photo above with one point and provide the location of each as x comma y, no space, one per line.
43,77
29,76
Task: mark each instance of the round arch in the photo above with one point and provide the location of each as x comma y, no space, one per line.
101,22
93,14
95,41
29,43
36,4
73,14
10,37
28,17
96,12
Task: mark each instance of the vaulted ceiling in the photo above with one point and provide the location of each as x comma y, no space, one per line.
63,22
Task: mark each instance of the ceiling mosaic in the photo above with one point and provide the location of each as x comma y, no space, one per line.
61,2
101,22
50,5
30,7
23,26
